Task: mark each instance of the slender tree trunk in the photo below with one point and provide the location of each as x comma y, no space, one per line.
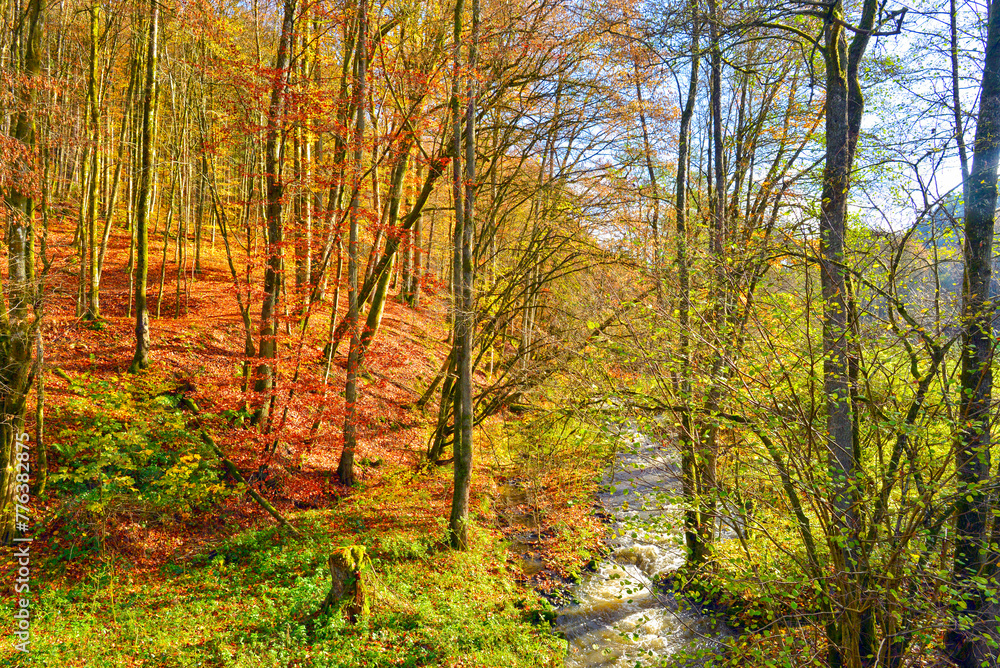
334,308
417,242
465,318
141,358
94,121
654,221
308,61
345,469
275,187
683,381
458,203
199,225
166,235
406,264
181,251
707,452
430,244
381,292
956,99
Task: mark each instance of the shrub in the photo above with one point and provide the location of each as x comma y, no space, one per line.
125,448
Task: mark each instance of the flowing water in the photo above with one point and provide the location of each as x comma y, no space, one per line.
621,618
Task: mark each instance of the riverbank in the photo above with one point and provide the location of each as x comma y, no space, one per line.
546,505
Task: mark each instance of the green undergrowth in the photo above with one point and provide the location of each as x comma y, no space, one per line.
126,453
246,602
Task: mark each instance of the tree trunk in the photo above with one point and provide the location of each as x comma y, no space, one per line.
465,318
654,222
141,358
682,383
92,311
273,156
348,594
381,292
416,270
345,469
844,107
392,245
975,645
20,328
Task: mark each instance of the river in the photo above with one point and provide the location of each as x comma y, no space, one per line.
621,618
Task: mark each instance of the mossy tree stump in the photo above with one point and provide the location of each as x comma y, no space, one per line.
348,590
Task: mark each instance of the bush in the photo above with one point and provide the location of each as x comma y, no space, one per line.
124,447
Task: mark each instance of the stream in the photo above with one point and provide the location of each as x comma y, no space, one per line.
621,618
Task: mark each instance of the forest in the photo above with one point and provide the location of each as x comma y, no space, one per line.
499,333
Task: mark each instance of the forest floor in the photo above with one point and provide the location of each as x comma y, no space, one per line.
146,554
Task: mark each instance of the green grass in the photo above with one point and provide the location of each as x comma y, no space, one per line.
247,602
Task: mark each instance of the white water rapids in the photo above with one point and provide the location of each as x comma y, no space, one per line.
622,619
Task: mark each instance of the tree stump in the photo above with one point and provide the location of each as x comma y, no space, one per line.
348,593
